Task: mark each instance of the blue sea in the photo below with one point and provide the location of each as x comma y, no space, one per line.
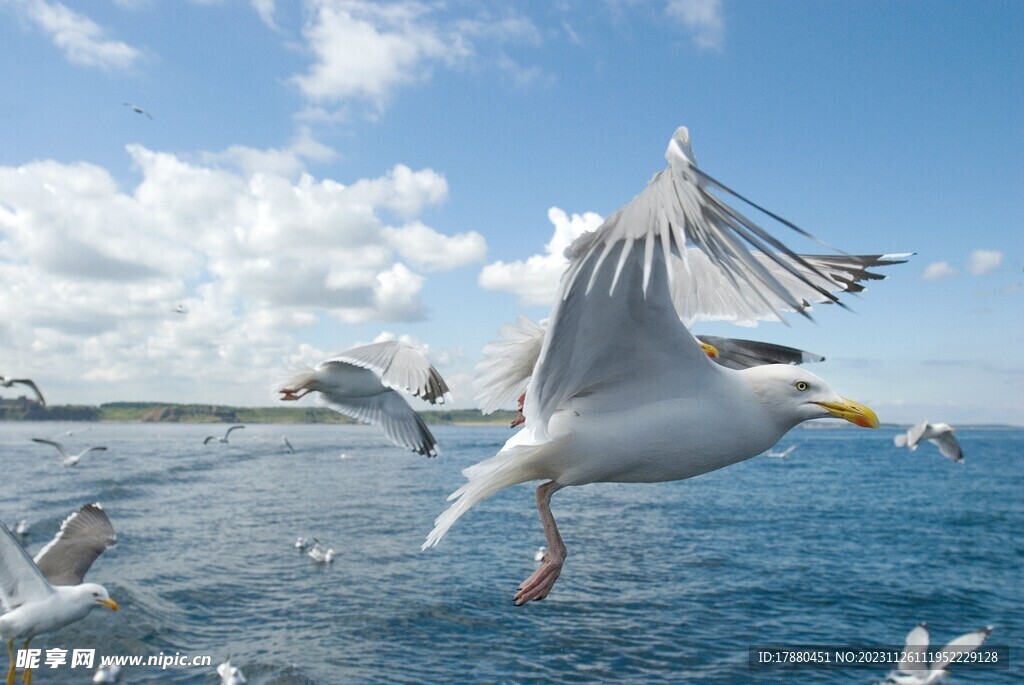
849,541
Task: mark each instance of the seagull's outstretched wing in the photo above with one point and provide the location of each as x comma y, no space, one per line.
915,433
735,353
401,424
916,649
82,538
20,579
399,366
228,432
944,437
31,384
209,438
57,445
705,292
965,644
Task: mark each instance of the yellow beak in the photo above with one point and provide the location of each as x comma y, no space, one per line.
854,412
709,350
110,604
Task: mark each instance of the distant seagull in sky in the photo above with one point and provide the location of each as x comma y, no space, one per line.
47,593
939,434
138,110
319,553
287,445
225,438
72,459
362,383
8,382
230,675
781,454
916,670
180,309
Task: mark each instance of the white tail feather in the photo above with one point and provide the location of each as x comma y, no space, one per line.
511,466
900,440
505,370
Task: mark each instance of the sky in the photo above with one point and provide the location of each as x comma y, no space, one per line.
306,176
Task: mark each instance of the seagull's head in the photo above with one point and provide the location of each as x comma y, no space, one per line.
98,595
796,395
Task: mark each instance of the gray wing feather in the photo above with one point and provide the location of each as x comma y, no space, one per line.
57,445
30,383
949,446
735,353
20,579
82,538
399,366
401,424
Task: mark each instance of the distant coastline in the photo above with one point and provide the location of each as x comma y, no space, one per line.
166,412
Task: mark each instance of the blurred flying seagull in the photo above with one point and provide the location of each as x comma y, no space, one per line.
107,673
915,669
28,382
287,445
225,438
782,454
69,460
138,110
21,530
621,390
939,434
46,594
362,383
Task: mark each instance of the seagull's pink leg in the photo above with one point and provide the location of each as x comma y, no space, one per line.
520,418
540,583
289,395
10,653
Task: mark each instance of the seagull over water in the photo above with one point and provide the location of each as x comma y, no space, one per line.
27,382
917,670
227,433
622,391
69,459
771,454
363,382
230,675
939,434
46,594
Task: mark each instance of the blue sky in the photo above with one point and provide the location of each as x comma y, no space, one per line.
317,174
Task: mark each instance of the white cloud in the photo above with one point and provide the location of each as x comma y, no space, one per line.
704,20
284,161
984,261
535,280
92,272
265,9
937,270
364,50
82,40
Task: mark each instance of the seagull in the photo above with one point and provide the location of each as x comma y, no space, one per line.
230,675
224,439
939,434
21,530
362,383
508,363
107,673
180,309
301,543
28,382
319,553
69,460
541,554
621,391
781,454
46,594
138,110
916,670
288,446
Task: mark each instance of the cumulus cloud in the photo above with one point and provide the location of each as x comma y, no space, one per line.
982,262
364,50
92,271
535,280
82,40
937,270
283,161
704,20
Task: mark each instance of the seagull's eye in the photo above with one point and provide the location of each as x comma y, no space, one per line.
802,386
95,594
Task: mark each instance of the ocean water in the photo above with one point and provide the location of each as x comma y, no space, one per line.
849,541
